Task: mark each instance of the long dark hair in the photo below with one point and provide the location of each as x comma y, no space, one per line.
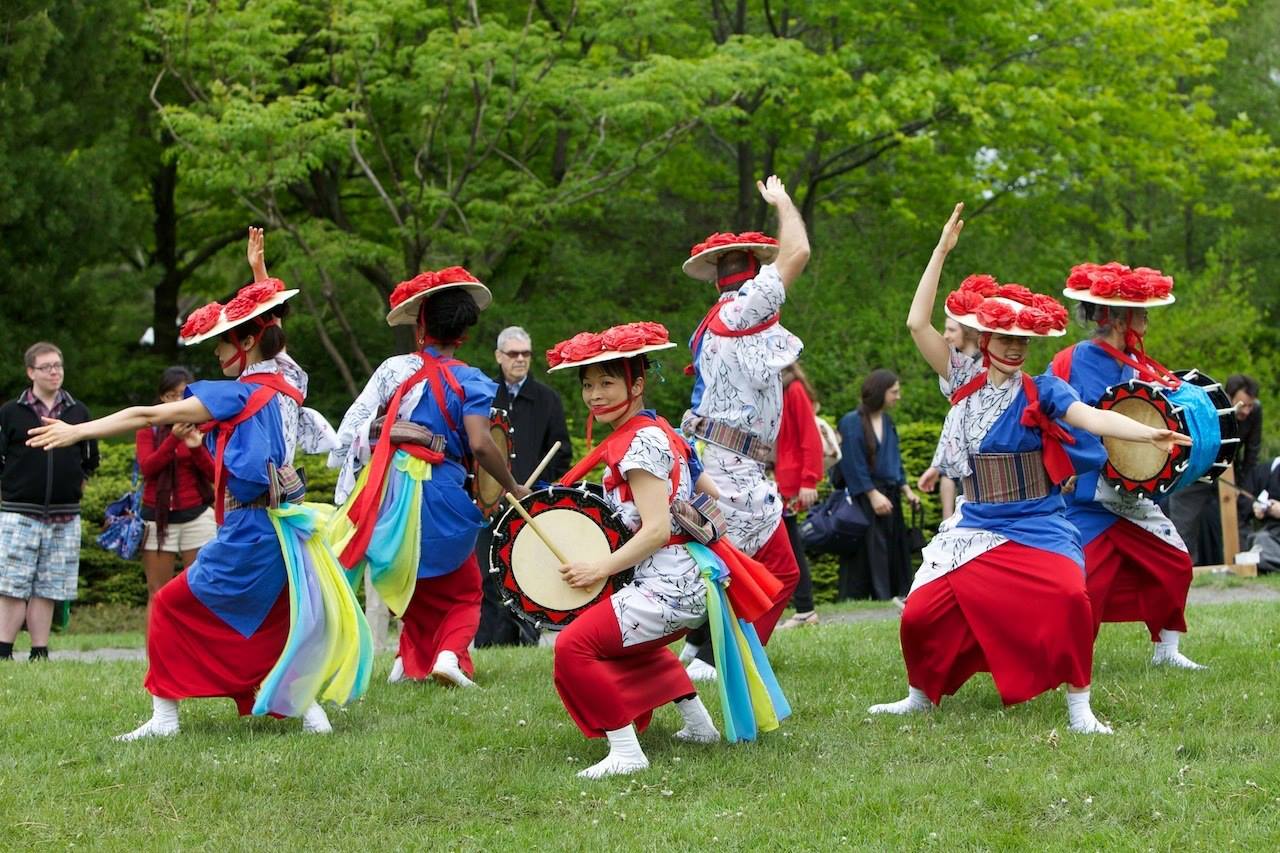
874,388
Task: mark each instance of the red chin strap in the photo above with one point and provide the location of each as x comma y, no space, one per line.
1135,354
241,358
608,410
752,270
987,358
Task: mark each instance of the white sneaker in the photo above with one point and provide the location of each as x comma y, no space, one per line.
700,670
397,671
151,728
315,721
447,672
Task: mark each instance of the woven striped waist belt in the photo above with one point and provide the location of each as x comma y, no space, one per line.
407,432
286,484
1006,477
730,438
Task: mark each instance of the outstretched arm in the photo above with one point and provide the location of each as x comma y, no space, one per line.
793,241
257,254
1115,425
57,433
931,344
488,455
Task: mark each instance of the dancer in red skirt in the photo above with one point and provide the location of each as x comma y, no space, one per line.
1001,588
739,352
1138,567
612,664
224,626
422,557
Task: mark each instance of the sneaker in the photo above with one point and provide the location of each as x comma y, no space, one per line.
799,620
700,670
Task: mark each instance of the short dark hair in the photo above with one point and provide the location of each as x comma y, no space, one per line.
38,349
271,340
1242,382
615,367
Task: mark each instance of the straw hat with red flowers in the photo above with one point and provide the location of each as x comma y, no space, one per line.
1119,285
250,301
1006,309
625,341
409,295
702,257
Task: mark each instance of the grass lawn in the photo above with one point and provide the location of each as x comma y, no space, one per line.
1193,764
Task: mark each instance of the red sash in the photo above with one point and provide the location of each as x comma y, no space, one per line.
1052,435
753,586
713,324
270,385
364,510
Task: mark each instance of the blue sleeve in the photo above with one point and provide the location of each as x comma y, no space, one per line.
223,398
478,391
1056,396
695,461
900,471
853,463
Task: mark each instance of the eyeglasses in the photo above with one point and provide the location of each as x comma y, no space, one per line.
49,368
520,353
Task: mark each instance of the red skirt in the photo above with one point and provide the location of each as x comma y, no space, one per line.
605,685
1135,576
193,654
1020,613
780,559
442,616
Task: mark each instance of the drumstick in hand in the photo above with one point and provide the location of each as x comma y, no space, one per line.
546,460
515,504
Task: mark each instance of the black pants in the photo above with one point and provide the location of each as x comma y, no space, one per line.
1194,511
881,567
802,600
498,625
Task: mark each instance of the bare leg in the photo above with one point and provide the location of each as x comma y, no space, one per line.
158,567
12,612
39,618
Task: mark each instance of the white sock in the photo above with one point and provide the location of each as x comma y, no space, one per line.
700,670
915,702
397,671
1081,718
689,652
315,721
698,726
447,671
1166,652
625,756
163,722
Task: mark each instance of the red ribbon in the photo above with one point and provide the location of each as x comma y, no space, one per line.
271,384
364,511
1052,434
1136,357
713,324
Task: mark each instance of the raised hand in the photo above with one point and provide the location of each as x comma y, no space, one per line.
772,190
256,254
951,231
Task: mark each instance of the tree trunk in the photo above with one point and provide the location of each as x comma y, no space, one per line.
164,315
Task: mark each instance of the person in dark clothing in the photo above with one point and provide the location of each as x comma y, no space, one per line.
39,504
1264,483
537,422
1194,509
872,470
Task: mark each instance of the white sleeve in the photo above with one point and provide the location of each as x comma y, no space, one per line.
649,451
351,444
756,301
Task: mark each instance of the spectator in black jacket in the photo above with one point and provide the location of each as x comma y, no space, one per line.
537,422
39,504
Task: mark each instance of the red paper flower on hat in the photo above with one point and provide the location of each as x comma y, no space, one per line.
1161,285
654,333
961,302
1016,292
1106,283
453,275
581,346
623,338
1135,286
1081,276
202,320
261,291
984,285
728,238
406,289
1035,320
995,315
1056,311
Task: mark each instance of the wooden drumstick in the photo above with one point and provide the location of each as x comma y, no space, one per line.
546,460
515,504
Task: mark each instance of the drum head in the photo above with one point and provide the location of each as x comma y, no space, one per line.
537,570
1134,460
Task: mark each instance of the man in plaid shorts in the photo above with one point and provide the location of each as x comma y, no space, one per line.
39,504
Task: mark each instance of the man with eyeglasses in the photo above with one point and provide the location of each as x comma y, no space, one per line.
537,422
39,504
